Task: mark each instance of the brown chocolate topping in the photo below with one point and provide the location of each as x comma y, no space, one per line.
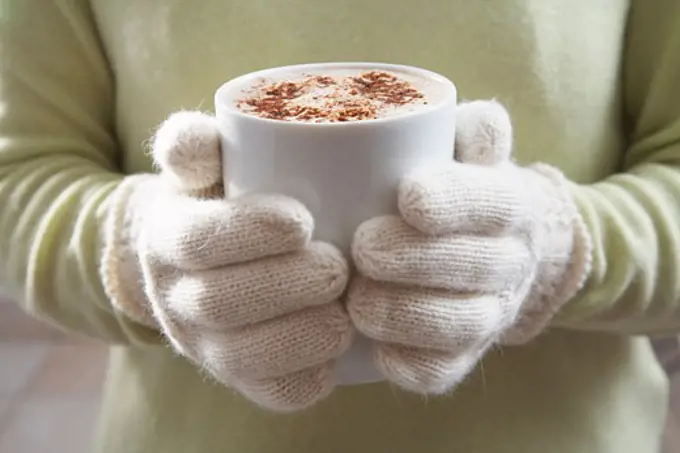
351,99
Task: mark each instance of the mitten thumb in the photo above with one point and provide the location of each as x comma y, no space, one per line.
483,133
186,148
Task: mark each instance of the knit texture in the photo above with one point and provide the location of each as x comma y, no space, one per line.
120,269
236,286
484,252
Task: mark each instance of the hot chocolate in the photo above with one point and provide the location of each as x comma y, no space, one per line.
338,96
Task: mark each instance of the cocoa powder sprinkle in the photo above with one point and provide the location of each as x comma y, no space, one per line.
345,99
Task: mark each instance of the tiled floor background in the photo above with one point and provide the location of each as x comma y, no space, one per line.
50,386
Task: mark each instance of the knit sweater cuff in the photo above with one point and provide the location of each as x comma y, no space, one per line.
566,259
119,267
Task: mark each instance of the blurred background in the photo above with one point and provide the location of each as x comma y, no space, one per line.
50,385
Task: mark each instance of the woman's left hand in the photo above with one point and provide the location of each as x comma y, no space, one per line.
484,252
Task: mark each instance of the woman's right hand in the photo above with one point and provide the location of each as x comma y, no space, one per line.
236,285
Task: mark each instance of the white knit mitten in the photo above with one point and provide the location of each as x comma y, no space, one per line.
236,286
484,252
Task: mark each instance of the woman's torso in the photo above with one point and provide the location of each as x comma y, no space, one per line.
554,63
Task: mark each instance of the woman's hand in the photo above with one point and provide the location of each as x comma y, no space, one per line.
484,251
235,285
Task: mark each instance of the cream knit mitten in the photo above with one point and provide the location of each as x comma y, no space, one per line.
235,285
484,252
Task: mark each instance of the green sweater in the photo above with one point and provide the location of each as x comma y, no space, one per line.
592,86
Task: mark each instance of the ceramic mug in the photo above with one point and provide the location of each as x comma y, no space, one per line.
343,172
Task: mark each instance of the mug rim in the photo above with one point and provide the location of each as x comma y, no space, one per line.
223,104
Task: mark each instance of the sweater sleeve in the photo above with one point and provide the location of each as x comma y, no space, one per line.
634,216
58,166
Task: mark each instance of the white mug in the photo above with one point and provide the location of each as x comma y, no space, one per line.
345,173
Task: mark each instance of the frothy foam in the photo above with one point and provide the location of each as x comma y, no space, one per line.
331,96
